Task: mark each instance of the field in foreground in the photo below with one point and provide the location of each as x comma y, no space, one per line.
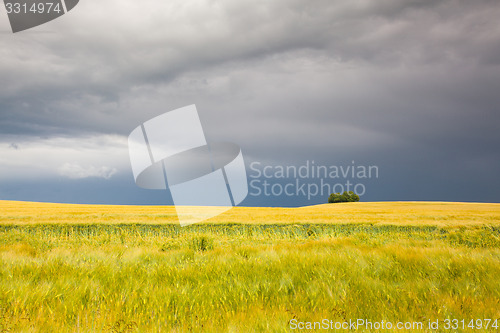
75,268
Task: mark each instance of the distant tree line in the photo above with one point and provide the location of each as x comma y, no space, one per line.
344,197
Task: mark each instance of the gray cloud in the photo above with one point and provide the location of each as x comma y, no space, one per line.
76,171
410,85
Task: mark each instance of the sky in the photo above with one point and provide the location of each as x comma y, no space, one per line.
410,88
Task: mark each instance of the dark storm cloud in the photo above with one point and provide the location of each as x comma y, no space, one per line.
410,85
77,79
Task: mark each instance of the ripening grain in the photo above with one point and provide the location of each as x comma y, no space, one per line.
77,268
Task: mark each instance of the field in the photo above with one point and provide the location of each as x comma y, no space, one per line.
82,268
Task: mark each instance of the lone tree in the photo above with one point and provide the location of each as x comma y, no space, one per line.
344,197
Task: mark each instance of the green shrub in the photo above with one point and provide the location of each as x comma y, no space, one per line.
344,197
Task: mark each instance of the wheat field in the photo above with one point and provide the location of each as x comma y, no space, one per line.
94,268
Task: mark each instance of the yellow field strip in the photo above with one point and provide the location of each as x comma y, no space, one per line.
400,213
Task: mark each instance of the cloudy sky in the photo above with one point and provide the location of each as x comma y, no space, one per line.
412,87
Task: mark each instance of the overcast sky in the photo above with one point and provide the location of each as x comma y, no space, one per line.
412,87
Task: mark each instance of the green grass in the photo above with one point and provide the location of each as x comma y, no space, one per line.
101,277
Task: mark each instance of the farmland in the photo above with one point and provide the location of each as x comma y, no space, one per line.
84,268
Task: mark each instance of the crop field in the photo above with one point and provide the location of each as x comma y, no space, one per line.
90,268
